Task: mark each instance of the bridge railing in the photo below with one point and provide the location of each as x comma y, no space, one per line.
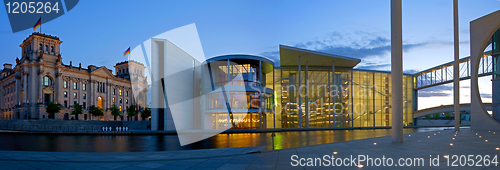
443,74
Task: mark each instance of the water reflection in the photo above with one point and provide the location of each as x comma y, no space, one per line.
140,143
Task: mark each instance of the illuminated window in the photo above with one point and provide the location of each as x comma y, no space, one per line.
75,95
120,108
47,81
100,102
113,100
66,94
120,91
126,101
75,85
84,96
65,85
84,86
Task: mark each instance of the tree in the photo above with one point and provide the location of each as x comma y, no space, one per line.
132,111
146,113
95,111
436,116
52,109
115,111
77,110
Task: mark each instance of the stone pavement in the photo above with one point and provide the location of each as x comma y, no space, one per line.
426,145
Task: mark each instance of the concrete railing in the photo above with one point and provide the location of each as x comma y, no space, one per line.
72,126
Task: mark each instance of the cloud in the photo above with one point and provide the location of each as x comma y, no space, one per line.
436,91
433,94
375,66
484,95
411,71
359,44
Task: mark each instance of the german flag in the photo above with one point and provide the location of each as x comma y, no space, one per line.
127,52
38,24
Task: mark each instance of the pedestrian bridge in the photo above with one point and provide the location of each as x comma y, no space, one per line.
443,74
445,108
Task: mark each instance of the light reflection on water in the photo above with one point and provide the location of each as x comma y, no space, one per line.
144,143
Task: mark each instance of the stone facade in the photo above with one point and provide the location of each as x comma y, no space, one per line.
40,76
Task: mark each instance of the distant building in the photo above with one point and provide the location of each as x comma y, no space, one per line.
40,76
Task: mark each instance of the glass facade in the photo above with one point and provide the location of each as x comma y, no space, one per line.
350,98
314,97
251,105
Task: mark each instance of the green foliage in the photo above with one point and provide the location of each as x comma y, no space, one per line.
132,110
52,109
447,114
146,113
115,111
428,117
77,110
436,116
95,111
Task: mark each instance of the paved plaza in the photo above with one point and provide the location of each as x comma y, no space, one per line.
426,145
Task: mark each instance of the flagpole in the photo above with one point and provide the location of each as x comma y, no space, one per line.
40,25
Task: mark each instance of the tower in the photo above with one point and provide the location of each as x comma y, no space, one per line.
40,55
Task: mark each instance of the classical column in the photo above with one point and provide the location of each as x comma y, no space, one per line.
397,71
25,87
80,94
40,82
70,94
456,76
18,90
57,88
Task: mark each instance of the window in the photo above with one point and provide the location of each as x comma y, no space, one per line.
114,91
66,104
51,48
75,85
66,94
119,72
120,108
126,93
84,96
84,105
46,48
74,102
126,101
120,101
65,85
40,47
47,81
84,86
75,95
120,91
113,100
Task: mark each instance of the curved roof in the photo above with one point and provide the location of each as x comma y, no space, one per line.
240,56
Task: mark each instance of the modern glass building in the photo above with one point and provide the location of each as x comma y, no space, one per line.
308,89
236,93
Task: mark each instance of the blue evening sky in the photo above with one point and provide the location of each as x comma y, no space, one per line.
98,32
